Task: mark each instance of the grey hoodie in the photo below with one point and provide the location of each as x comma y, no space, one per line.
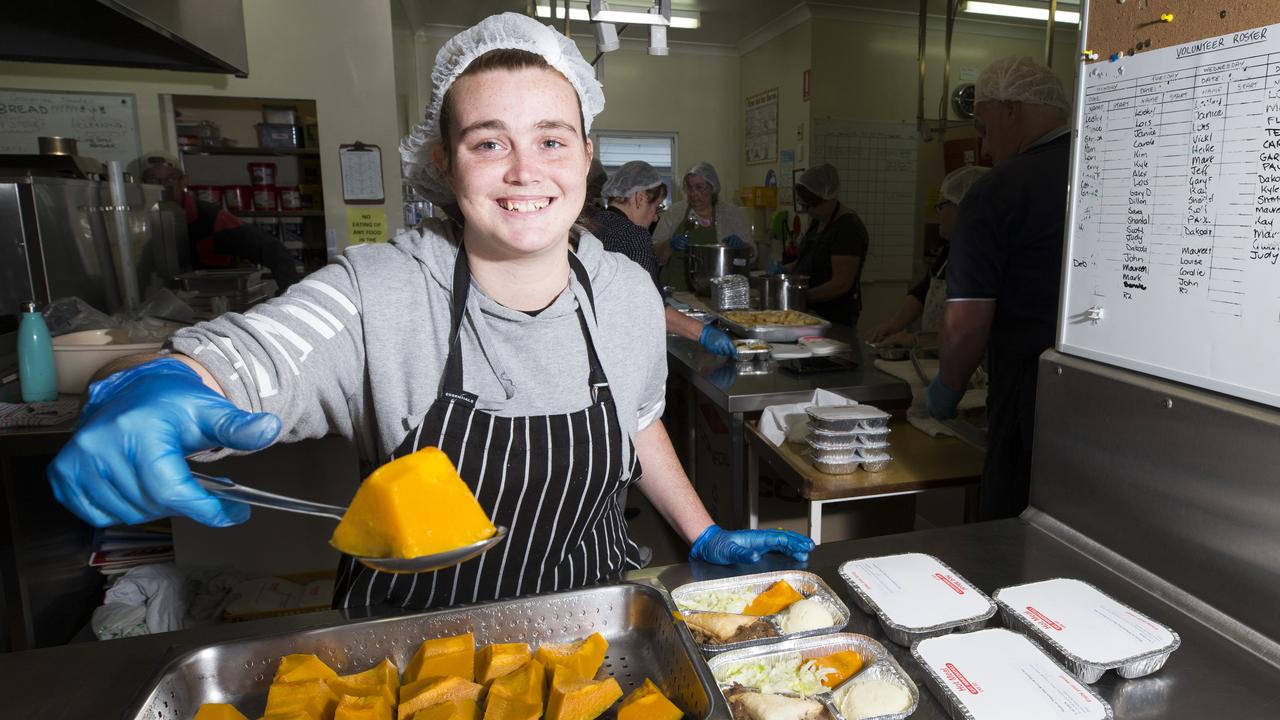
359,346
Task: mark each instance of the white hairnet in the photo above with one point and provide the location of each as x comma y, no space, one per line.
821,180
508,31
631,178
705,171
958,181
1021,79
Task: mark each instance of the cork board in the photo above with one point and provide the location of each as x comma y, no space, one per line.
1134,26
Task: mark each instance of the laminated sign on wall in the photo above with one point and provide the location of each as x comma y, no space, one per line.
762,127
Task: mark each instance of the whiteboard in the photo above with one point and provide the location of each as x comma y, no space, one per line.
104,124
877,166
1174,233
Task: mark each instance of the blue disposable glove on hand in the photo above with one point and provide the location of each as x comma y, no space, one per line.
126,463
943,400
716,341
680,243
728,547
735,242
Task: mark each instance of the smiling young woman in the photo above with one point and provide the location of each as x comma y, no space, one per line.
506,337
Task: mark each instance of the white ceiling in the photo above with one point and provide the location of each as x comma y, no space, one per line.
724,22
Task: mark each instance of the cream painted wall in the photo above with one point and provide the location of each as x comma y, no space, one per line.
779,63
336,52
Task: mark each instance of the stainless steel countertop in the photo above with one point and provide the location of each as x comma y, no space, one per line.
735,390
1209,676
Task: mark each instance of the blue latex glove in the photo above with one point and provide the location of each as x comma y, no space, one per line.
735,242
126,463
716,341
680,242
943,399
728,547
776,268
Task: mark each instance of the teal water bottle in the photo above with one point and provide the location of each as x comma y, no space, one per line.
35,357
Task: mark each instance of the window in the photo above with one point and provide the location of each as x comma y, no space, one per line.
658,149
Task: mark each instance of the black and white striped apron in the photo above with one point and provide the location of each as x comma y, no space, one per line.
552,480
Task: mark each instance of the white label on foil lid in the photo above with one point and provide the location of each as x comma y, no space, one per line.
916,591
1089,624
1000,675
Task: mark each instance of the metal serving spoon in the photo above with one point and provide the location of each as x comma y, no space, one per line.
224,488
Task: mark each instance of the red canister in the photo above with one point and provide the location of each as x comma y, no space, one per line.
208,193
265,198
262,173
290,197
238,197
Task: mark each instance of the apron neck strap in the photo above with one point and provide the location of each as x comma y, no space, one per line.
453,377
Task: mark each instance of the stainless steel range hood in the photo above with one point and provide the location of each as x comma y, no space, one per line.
187,35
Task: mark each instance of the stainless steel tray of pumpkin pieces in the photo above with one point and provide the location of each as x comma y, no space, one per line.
806,583
764,663
644,642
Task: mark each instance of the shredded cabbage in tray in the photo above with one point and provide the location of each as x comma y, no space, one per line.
780,674
725,601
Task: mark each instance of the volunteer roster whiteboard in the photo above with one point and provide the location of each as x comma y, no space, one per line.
1174,231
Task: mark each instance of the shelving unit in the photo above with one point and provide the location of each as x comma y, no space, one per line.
222,165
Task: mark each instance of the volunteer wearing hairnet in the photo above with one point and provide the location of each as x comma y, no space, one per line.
1005,268
833,249
927,299
533,358
702,218
635,191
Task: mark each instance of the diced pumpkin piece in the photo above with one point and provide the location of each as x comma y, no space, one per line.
312,697
433,691
454,655
381,680
372,707
289,716
648,703
494,661
413,506
504,708
575,698
846,664
295,668
524,685
219,711
777,598
452,710
583,656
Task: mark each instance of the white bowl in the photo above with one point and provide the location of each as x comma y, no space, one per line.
78,355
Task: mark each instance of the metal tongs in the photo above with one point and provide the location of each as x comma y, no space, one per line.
226,489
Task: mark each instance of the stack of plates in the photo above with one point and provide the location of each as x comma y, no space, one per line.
730,292
844,438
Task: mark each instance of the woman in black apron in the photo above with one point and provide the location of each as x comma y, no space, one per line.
833,249
361,348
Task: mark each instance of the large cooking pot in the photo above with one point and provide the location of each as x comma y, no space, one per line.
781,292
711,261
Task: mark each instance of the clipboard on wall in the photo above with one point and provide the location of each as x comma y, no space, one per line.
361,174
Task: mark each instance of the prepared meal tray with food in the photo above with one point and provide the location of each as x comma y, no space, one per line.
846,418
842,462
842,676
752,610
997,674
916,596
751,350
754,318
1086,629
782,326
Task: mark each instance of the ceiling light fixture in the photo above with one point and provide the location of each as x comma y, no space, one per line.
624,14
1020,11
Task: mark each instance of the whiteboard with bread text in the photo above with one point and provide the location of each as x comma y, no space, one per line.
1174,232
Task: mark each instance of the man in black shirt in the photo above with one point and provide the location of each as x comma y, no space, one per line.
1005,269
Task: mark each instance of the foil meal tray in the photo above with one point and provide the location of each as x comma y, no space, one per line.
635,619
1091,670
878,663
806,583
776,333
905,635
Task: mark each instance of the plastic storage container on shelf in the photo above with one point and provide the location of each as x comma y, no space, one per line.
271,135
